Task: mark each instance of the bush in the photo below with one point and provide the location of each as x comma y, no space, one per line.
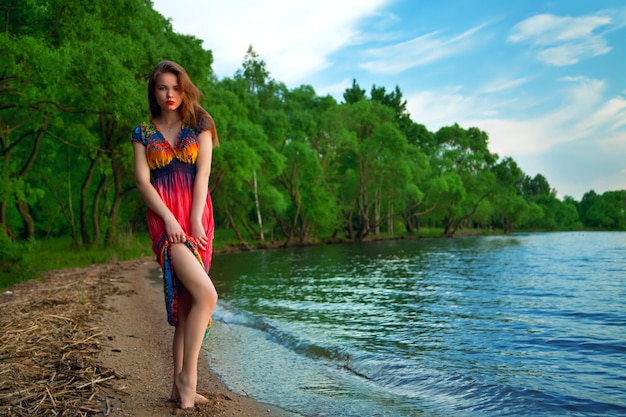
15,261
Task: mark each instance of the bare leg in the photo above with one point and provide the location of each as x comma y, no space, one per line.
184,304
203,300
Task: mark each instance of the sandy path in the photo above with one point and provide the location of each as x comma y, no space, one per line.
127,343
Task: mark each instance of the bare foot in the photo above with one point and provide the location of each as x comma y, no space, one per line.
201,399
186,391
175,397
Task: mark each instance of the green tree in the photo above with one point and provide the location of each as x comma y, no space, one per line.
371,157
607,211
308,179
510,206
354,94
244,150
30,75
555,214
254,71
533,188
405,191
463,159
413,203
264,92
61,98
588,201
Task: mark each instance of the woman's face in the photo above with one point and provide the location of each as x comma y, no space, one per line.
167,92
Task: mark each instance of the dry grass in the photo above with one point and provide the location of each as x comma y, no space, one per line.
49,345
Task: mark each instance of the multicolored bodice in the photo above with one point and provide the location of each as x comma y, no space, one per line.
159,152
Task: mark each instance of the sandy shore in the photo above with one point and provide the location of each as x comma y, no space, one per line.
95,341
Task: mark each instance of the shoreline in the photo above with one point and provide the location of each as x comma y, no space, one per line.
124,354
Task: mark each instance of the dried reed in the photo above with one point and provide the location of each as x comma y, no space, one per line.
49,345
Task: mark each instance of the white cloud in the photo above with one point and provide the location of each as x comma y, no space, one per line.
571,121
293,38
503,84
335,90
611,115
583,114
444,107
419,51
435,109
563,40
585,124
522,137
572,53
546,29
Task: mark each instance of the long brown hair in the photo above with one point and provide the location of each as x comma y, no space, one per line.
191,112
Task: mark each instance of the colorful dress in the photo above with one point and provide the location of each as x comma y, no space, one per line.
173,170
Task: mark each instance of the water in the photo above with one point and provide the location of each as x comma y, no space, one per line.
531,324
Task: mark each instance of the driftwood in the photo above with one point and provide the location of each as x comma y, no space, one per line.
49,344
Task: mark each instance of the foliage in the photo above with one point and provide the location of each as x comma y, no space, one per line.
293,167
15,261
606,211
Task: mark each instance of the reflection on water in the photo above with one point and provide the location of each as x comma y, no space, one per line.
523,325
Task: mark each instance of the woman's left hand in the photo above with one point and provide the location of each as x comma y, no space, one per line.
199,234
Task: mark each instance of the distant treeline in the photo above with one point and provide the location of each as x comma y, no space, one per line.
292,167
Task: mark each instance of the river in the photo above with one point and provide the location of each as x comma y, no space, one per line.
527,324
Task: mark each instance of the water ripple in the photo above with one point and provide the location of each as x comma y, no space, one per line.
532,324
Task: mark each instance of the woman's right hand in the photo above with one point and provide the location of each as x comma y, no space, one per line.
174,232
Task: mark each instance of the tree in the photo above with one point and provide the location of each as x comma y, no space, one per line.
30,76
463,158
254,71
354,94
371,157
607,211
586,203
533,188
510,206
308,178
292,164
60,98
244,150
256,75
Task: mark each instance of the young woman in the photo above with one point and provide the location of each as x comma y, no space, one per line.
173,155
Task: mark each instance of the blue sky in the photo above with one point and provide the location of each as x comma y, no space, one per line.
545,79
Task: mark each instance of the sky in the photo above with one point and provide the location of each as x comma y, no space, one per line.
546,80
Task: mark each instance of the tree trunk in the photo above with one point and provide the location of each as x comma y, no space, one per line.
232,223
84,194
113,230
448,230
95,212
66,209
349,227
29,223
303,228
377,213
258,210
390,218
296,217
70,203
22,205
3,219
